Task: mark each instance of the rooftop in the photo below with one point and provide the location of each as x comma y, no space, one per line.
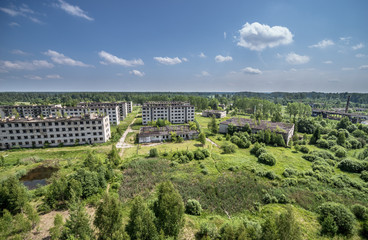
52,119
167,103
260,125
178,129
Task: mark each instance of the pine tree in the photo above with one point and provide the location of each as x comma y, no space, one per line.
109,217
316,136
288,228
78,225
169,210
212,126
57,229
114,157
141,222
202,138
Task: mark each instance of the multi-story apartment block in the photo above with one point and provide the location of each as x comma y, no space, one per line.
112,111
39,132
26,110
124,107
175,112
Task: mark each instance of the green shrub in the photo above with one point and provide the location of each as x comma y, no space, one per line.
271,175
323,154
267,158
304,149
193,207
322,143
342,216
206,153
349,165
198,155
340,153
288,172
255,148
207,231
228,148
153,152
364,230
364,176
260,151
360,211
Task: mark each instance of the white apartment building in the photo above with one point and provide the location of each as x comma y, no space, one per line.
112,111
124,107
37,132
26,110
175,112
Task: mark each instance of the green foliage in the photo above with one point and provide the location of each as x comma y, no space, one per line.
260,151
153,152
329,226
341,138
267,158
13,195
269,229
108,218
228,148
78,225
113,157
89,181
340,153
360,212
213,126
305,126
322,143
364,176
193,207
169,210
344,123
207,231
349,165
364,230
304,149
202,138
342,216
255,148
316,136
288,228
57,229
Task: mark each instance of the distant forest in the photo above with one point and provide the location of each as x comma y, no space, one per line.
201,100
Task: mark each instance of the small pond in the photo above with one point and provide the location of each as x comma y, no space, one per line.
37,176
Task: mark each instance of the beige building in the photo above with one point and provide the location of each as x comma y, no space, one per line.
37,132
175,112
159,134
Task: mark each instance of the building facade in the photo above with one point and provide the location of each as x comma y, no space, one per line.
124,107
175,112
155,134
216,113
285,129
37,132
26,110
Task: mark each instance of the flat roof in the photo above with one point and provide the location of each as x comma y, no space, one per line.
52,119
178,129
167,103
260,125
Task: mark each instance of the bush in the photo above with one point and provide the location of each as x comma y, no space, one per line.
206,153
288,172
364,176
364,230
271,175
198,155
255,148
340,153
322,143
342,216
304,149
260,151
193,207
153,152
360,212
207,231
267,158
228,148
349,165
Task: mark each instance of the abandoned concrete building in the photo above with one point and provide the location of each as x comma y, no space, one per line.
39,132
159,134
175,112
285,129
216,113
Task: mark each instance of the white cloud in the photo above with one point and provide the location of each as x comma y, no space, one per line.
167,60
253,71
202,55
22,65
73,10
111,59
323,44
220,58
33,77
23,11
359,55
53,76
258,36
327,62
11,12
293,58
137,73
14,24
203,74
346,40
184,59
358,46
363,67
347,69
19,52
225,35
62,59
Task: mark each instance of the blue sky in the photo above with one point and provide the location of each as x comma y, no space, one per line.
184,45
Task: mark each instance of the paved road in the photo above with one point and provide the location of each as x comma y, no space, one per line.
122,143
212,142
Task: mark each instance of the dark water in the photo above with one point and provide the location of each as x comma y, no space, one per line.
37,176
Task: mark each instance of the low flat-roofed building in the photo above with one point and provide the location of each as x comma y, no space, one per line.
175,112
39,132
216,113
159,134
285,129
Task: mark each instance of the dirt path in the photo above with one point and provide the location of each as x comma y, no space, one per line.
122,144
212,142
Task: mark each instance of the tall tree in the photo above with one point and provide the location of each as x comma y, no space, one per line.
113,156
78,226
212,125
169,210
141,222
108,218
202,138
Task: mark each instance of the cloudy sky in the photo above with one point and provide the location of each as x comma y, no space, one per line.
184,45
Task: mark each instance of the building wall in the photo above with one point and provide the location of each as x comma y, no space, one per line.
167,137
37,132
173,113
